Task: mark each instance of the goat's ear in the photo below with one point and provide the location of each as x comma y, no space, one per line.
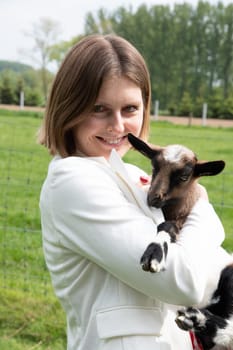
142,146
208,168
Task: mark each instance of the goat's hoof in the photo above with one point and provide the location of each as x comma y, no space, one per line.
190,318
153,266
153,258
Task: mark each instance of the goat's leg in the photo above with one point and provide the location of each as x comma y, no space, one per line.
213,325
210,329
154,257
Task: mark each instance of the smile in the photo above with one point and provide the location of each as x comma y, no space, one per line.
115,141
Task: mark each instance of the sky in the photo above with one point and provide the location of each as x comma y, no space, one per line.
17,18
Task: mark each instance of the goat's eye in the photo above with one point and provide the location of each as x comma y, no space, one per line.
184,178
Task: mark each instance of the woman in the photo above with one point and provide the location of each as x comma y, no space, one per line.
95,220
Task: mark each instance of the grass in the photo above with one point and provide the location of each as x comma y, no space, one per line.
30,315
27,322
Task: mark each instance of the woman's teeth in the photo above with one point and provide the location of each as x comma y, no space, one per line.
113,142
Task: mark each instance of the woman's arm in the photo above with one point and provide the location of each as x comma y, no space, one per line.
94,219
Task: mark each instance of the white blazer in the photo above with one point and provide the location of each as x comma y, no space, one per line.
96,225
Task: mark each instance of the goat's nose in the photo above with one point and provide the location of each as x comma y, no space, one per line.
155,200
158,196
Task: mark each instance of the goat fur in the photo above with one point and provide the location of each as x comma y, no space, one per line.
174,188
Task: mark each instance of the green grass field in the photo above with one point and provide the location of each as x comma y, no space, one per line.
30,315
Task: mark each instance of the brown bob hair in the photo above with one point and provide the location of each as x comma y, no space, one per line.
77,84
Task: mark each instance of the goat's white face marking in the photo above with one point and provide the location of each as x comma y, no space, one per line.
174,153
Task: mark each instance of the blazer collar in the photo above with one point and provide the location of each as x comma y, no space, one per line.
133,192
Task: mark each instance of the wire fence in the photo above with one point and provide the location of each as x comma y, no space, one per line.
23,167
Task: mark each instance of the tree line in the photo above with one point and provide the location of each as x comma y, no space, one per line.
189,52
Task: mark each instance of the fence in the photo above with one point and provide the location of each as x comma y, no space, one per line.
23,167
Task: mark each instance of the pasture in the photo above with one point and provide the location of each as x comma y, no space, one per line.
30,315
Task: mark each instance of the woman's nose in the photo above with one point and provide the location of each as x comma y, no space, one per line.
117,122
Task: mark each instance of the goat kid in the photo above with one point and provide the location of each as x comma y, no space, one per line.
174,189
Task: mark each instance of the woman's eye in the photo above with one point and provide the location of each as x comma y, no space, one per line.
99,109
130,109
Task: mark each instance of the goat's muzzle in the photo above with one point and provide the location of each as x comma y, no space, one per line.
156,201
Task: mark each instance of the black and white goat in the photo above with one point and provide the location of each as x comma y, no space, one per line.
174,189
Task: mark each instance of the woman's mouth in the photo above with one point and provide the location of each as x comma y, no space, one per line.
112,141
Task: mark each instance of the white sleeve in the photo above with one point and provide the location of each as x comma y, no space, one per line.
198,247
204,223
93,218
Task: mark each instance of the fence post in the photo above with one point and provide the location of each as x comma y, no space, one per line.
204,114
21,99
156,111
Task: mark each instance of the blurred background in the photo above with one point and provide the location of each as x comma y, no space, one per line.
188,47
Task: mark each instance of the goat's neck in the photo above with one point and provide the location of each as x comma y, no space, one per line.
179,209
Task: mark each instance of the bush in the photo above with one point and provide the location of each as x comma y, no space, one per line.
185,108
227,108
198,107
215,103
33,98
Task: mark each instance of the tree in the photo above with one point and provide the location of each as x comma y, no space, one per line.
202,55
227,50
7,95
101,24
44,33
189,52
59,50
186,105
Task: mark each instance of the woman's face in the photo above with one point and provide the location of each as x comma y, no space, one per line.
118,110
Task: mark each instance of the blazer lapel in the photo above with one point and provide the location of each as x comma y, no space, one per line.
131,190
